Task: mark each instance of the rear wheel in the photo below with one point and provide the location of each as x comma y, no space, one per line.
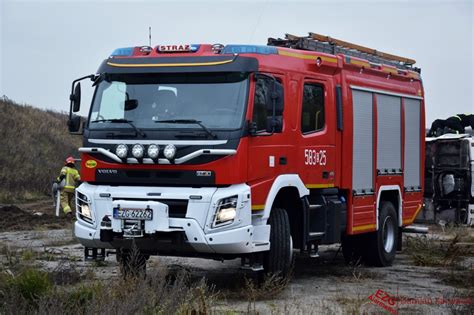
279,259
383,242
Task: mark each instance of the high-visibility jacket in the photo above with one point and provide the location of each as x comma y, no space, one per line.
71,177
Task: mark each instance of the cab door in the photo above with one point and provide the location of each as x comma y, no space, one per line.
267,151
317,126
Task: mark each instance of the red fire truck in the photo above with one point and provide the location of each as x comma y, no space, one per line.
248,151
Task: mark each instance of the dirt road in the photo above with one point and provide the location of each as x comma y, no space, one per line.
319,285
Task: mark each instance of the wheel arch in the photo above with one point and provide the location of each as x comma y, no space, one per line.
287,192
283,184
393,194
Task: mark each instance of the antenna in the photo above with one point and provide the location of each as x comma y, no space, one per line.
149,35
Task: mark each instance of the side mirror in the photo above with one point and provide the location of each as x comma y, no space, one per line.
130,104
269,92
274,124
274,97
274,104
75,125
76,98
278,94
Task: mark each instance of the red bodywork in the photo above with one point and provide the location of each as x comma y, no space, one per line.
250,165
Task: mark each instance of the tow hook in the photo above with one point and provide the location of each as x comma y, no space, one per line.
133,231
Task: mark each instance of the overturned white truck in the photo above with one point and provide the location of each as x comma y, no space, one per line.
449,179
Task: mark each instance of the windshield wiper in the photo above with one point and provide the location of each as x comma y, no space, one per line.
121,120
188,121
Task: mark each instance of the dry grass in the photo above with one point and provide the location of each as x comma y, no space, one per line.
34,145
351,304
457,276
431,252
267,288
27,289
449,256
121,296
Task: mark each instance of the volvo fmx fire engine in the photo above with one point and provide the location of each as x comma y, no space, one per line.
248,151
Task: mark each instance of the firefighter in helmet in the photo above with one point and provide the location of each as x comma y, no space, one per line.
71,177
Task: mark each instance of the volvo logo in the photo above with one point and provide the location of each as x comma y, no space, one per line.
203,173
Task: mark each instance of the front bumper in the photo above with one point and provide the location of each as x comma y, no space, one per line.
193,232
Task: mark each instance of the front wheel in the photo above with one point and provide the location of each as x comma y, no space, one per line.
279,259
383,242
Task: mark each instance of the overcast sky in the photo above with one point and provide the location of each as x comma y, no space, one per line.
44,45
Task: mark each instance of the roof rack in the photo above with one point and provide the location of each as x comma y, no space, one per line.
329,45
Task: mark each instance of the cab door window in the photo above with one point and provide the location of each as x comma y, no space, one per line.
312,113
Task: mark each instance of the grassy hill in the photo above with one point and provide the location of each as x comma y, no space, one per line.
33,146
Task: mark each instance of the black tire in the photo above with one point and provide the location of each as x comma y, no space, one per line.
383,243
353,249
279,259
132,263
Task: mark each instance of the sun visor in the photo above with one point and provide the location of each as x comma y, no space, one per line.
179,64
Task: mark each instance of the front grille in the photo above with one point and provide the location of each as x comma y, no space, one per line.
154,177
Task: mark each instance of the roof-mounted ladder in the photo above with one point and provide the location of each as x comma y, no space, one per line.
329,45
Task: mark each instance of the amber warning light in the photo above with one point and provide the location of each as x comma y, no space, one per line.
177,48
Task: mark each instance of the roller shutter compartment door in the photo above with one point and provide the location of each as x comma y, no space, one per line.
389,160
411,179
362,149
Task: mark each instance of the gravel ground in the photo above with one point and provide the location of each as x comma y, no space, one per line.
318,285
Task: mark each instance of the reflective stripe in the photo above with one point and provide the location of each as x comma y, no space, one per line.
72,176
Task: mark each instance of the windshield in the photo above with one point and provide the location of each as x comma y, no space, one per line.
215,100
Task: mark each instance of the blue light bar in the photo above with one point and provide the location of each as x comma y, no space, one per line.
250,49
125,51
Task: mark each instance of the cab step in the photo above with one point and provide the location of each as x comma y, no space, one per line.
252,262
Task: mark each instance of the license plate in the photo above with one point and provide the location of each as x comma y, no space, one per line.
133,214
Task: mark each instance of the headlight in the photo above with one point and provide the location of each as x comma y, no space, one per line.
169,152
137,151
153,151
226,215
121,151
226,211
86,210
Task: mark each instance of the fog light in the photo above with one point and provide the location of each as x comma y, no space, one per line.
137,151
121,151
169,152
153,151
